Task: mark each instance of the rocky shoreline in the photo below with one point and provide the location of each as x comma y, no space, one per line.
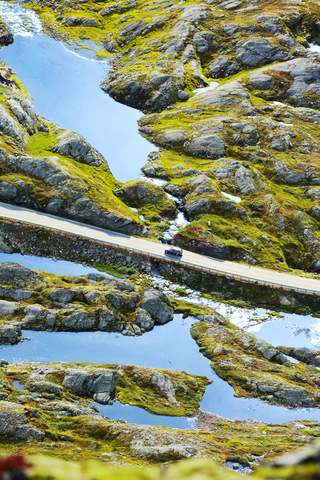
242,159
34,240
39,301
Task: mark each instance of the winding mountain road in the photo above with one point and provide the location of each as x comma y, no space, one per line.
158,249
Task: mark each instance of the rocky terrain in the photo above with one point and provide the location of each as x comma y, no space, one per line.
240,160
255,368
254,137
48,408
53,170
303,466
33,300
42,301
70,388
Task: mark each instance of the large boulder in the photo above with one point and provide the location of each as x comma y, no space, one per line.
121,300
39,315
14,423
72,145
102,386
78,321
144,320
13,273
62,295
7,308
156,304
76,380
10,334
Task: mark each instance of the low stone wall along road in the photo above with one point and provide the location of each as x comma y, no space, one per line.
154,249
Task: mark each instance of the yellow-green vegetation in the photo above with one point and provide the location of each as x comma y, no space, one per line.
47,168
182,41
150,200
162,392
254,368
43,467
269,165
62,428
98,180
160,52
78,303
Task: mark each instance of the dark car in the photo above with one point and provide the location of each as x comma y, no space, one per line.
174,251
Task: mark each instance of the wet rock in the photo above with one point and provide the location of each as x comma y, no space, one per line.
72,145
156,304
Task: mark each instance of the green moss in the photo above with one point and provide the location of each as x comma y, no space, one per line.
238,359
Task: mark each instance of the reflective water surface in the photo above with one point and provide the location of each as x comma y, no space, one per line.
65,88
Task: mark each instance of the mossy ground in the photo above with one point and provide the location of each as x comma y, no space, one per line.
134,387
237,358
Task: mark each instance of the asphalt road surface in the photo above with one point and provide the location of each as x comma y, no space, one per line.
157,249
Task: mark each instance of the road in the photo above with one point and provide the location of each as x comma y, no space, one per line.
157,249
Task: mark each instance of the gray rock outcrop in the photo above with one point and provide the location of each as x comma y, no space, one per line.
156,304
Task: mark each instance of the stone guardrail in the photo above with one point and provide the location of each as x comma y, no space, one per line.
219,272
240,278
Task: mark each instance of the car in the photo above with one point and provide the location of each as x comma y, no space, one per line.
174,251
